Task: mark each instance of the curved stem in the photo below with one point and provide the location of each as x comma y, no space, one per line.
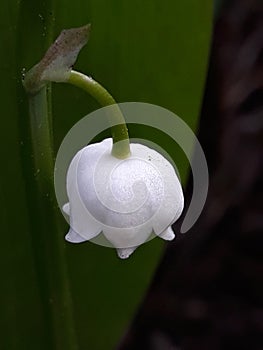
119,130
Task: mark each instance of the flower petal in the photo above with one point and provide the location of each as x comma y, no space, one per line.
81,221
127,237
124,253
66,208
74,237
168,234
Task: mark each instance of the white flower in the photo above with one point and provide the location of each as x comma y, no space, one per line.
127,200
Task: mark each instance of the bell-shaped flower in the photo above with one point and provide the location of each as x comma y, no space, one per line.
127,200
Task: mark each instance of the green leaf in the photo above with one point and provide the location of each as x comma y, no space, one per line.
147,51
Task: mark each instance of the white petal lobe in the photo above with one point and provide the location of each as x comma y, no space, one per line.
74,237
125,253
168,234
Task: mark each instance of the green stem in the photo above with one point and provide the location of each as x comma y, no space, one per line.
50,248
41,134
119,129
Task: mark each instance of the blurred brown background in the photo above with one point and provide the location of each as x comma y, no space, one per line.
207,292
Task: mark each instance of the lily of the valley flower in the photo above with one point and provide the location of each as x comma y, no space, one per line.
126,192
127,200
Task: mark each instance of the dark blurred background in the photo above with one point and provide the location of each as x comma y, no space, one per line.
207,292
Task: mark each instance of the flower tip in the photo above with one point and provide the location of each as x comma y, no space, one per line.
124,253
168,234
74,237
